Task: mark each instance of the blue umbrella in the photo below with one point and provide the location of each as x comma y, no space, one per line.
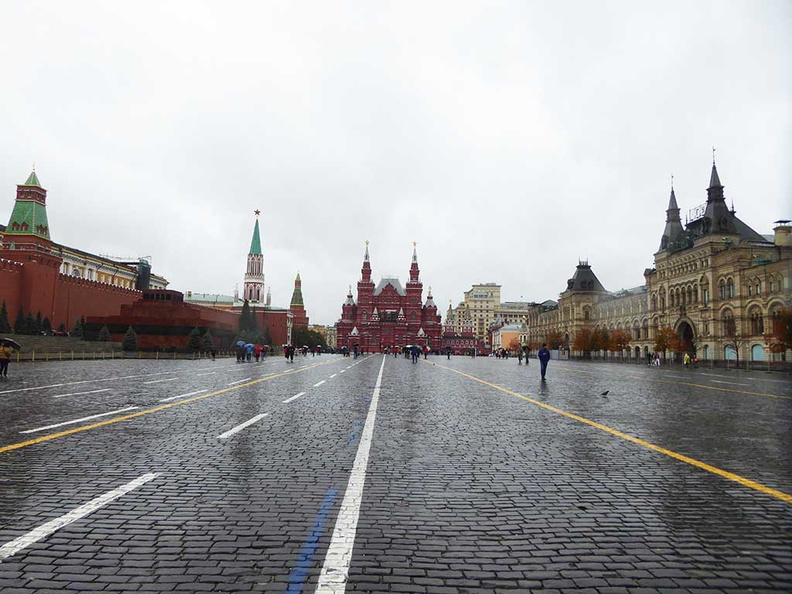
249,345
240,343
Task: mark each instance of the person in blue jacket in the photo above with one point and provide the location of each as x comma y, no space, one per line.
543,356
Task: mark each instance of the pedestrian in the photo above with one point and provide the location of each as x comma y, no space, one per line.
5,359
257,352
415,351
448,352
519,356
544,357
648,358
425,351
686,360
657,359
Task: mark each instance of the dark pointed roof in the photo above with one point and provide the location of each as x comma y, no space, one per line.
585,280
714,179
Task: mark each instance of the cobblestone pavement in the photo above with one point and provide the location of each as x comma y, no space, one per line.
223,477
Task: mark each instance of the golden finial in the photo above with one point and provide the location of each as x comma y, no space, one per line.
367,242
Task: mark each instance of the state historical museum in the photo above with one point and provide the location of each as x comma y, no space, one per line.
389,315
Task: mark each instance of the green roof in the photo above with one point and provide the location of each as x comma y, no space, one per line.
33,180
255,244
28,218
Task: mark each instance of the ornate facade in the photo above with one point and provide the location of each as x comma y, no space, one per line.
716,282
388,315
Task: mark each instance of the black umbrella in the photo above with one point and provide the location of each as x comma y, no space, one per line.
10,342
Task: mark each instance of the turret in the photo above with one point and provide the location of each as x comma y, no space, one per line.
674,233
719,218
254,274
28,226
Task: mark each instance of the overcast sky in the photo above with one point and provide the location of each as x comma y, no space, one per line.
509,139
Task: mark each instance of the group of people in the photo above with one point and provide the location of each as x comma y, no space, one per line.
245,353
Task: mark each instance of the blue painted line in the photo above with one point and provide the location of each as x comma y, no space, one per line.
354,435
299,572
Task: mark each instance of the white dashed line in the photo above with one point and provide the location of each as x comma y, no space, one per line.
48,528
332,376
295,397
335,571
202,374
342,371
170,379
112,412
319,384
239,381
728,383
182,396
239,428
81,393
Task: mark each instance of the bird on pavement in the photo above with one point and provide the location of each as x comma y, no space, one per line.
605,393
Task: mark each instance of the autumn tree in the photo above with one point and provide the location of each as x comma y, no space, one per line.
666,340
555,339
620,341
583,341
780,337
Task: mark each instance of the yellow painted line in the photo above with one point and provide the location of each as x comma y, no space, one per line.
692,461
664,381
43,438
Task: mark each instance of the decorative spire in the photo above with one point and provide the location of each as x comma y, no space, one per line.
33,179
414,272
365,271
714,179
415,253
297,298
255,243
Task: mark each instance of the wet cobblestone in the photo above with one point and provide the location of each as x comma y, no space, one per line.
470,488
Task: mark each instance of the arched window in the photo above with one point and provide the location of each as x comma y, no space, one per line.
729,327
757,321
723,289
730,288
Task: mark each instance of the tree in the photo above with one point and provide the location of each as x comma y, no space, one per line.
194,340
20,325
62,327
130,342
733,338
666,338
780,337
207,342
555,339
514,344
104,334
46,325
248,324
583,341
78,327
266,336
310,338
600,339
39,325
620,341
4,325
31,327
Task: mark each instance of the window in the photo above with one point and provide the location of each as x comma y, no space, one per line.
750,290
758,289
757,322
705,295
722,290
730,286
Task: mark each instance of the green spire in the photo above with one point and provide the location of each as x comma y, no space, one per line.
297,298
255,244
33,179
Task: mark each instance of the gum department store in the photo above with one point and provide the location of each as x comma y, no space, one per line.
716,282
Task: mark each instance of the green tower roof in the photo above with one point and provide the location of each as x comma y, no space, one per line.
28,218
255,244
33,180
297,298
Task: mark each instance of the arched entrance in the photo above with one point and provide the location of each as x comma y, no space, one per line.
757,352
686,335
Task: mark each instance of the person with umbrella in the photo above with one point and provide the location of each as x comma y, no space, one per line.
6,344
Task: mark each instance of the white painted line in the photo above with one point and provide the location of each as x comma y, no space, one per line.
295,397
332,376
335,571
239,381
715,375
342,371
112,412
169,379
81,393
319,384
239,428
48,528
202,374
728,383
90,381
182,396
